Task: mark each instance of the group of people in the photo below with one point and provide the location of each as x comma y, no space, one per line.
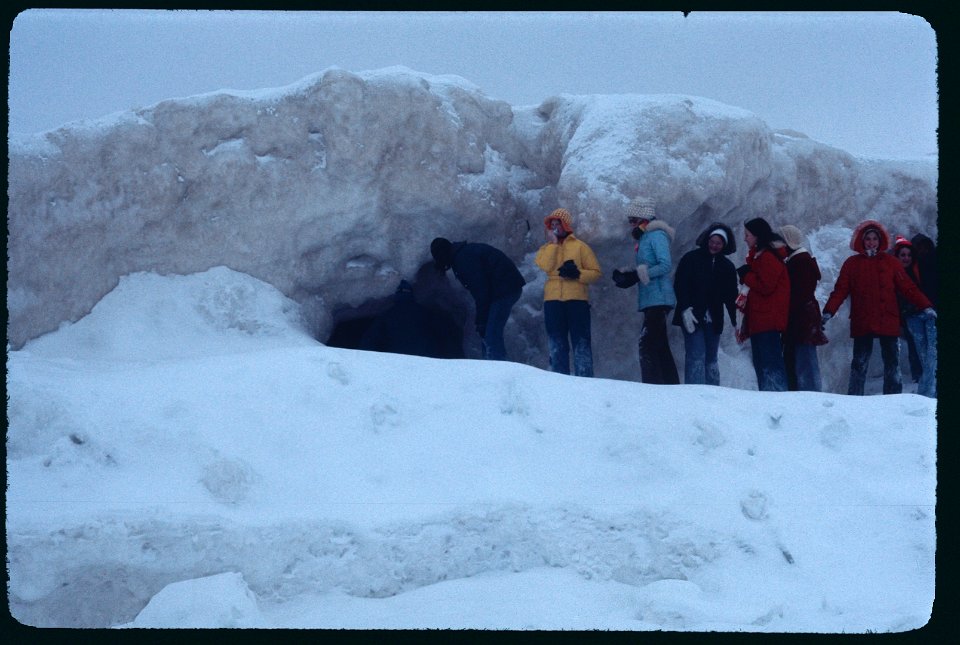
770,300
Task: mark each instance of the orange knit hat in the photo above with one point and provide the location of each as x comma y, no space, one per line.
564,216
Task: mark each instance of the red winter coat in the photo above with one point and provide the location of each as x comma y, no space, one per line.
804,325
768,303
873,282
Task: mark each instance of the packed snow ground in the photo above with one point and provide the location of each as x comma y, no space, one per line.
188,441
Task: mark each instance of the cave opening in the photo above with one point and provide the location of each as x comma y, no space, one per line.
426,318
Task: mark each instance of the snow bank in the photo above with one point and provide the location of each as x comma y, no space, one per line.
297,485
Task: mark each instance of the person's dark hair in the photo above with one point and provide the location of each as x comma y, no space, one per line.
761,229
442,250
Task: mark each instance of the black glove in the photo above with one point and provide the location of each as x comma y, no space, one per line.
569,270
625,279
742,271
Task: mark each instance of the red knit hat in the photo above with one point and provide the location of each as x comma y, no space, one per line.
901,241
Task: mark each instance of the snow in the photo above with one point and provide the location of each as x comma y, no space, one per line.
187,455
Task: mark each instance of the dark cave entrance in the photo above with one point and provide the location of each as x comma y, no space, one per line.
431,325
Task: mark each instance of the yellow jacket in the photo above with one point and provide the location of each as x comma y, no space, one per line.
551,256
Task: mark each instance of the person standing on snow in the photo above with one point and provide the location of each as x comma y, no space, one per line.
903,251
491,278
655,296
570,266
919,329
705,285
803,333
873,279
764,299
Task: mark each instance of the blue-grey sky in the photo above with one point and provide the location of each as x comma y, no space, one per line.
865,82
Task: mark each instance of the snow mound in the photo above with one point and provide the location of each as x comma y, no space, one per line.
150,317
222,600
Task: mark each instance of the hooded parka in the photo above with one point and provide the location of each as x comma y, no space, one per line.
653,250
550,257
873,282
707,282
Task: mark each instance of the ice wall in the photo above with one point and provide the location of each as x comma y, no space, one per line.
332,188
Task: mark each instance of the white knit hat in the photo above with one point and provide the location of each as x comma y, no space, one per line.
642,208
792,236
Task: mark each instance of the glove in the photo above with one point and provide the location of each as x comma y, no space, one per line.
930,313
642,274
569,270
742,271
741,301
824,319
625,279
689,320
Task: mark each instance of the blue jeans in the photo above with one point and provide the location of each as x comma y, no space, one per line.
923,329
767,351
889,351
700,364
803,367
494,348
563,319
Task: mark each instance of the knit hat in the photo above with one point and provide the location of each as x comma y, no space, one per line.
642,208
792,236
563,215
900,242
442,251
722,230
720,233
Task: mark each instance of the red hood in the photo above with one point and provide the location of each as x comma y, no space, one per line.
856,242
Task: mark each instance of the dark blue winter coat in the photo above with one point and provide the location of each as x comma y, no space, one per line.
487,273
706,282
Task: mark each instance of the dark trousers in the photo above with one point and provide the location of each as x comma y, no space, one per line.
568,325
656,359
889,351
767,350
494,348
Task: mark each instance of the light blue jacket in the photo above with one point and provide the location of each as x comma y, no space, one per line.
654,251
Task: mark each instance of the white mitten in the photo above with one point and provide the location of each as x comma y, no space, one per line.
642,274
689,320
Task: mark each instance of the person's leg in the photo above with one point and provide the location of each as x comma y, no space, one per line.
862,348
694,357
711,345
666,366
923,330
807,369
890,352
493,344
768,361
928,379
579,319
555,320
913,355
790,364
